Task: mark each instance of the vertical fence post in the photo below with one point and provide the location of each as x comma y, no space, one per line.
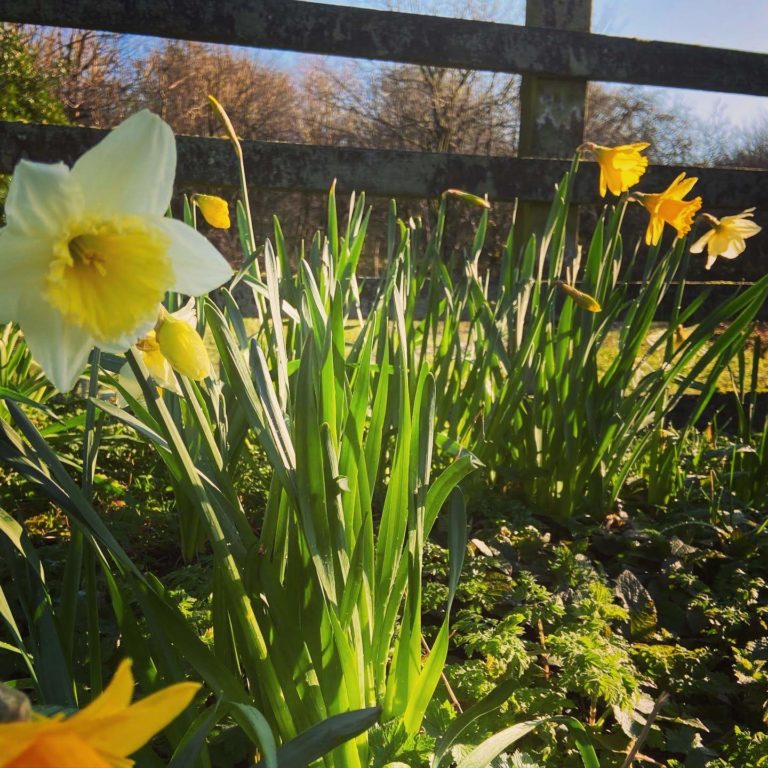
552,110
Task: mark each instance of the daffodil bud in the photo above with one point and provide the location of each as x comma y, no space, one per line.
181,345
468,197
214,209
584,300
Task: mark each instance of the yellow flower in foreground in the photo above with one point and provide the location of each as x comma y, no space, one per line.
215,210
620,167
668,207
87,254
727,235
102,735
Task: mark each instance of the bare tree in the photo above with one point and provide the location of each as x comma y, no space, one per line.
88,68
750,150
623,115
175,80
408,107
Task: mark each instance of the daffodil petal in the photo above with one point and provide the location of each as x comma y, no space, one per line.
42,199
743,227
123,733
114,698
132,170
736,247
188,313
15,738
60,349
680,187
747,213
60,750
161,371
121,343
23,264
197,265
654,231
698,246
603,185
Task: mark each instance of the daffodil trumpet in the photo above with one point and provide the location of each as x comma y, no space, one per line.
87,253
669,207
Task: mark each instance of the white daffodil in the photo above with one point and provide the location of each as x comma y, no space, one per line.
87,254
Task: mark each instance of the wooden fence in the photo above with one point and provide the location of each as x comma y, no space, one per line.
554,51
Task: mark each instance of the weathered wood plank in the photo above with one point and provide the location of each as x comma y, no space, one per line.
410,38
552,109
211,163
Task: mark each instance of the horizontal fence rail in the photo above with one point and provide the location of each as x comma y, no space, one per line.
211,163
411,39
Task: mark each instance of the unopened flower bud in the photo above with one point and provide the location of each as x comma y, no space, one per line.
215,210
183,348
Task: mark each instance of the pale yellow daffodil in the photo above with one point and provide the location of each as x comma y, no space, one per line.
215,210
101,735
668,207
620,167
88,254
726,236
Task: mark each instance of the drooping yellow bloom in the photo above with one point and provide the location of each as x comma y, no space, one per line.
87,253
180,344
726,236
668,207
620,167
214,209
102,735
188,356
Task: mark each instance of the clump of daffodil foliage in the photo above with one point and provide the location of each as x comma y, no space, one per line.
461,528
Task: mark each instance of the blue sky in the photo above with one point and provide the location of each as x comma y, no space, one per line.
741,24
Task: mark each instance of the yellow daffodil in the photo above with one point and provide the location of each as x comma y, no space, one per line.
668,207
102,735
215,210
726,236
173,344
87,253
620,167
